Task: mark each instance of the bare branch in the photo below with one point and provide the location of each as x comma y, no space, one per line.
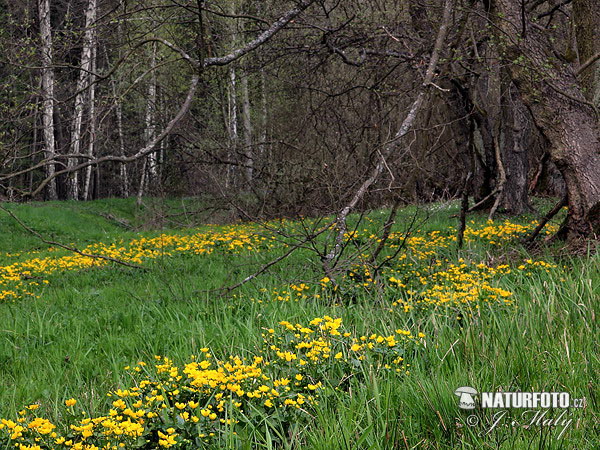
406,126
261,39
586,65
149,148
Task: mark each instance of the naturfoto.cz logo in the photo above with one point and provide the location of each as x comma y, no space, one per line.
468,395
536,409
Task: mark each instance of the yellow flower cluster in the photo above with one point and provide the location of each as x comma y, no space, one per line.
418,278
417,269
22,278
496,234
189,406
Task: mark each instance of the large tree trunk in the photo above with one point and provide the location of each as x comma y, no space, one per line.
556,100
48,95
586,15
513,144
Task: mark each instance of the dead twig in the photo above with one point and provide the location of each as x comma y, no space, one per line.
271,263
387,229
544,220
464,207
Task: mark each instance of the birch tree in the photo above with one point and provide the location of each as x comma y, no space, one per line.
92,120
47,96
247,121
84,91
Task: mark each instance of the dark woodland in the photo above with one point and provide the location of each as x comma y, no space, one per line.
304,107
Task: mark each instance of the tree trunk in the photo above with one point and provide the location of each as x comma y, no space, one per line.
513,144
82,90
150,131
47,95
140,192
233,128
123,174
264,113
586,14
248,153
555,98
92,119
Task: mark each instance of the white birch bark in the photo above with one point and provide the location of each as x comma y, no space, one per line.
92,119
247,121
140,192
47,96
149,168
81,95
233,127
150,132
122,166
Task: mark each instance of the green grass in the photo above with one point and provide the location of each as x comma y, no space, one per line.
75,340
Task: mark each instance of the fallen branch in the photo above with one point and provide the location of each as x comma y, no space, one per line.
544,220
464,207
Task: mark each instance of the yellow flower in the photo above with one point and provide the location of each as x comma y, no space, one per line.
70,402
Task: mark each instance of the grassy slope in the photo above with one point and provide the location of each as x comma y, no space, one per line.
75,340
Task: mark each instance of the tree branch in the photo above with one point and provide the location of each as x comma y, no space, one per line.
149,148
403,130
586,65
261,39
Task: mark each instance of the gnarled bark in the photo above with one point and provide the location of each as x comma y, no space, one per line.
550,89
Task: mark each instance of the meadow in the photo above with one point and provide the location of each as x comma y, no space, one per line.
95,354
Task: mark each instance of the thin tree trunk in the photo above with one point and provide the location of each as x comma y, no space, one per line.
80,98
247,120
150,131
123,174
264,113
47,95
233,128
92,133
140,192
